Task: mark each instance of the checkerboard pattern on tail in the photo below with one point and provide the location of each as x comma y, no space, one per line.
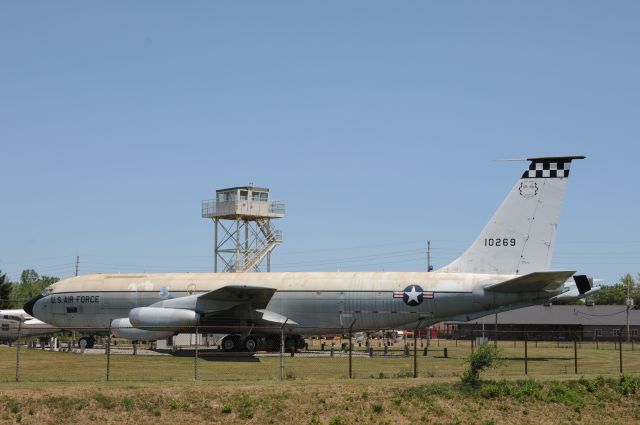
547,169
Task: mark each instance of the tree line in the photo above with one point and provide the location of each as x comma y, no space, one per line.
13,295
617,293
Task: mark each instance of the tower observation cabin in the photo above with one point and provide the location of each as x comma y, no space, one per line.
244,235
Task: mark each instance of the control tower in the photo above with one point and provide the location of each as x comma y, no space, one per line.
244,235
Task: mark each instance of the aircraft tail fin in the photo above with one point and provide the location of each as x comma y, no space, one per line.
520,237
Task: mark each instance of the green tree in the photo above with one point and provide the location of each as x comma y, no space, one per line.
29,276
617,293
5,291
30,285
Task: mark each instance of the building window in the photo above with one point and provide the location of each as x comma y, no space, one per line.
598,332
5,327
616,332
260,196
244,195
634,332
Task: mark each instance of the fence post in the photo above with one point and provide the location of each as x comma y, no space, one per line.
575,354
109,352
282,349
526,355
351,348
620,348
196,372
18,352
416,332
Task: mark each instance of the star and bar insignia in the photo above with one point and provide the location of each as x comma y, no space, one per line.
413,295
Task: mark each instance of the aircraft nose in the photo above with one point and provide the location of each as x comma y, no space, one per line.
28,307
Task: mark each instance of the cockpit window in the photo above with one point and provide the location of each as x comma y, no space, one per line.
46,291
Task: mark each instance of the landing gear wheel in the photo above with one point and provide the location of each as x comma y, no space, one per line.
272,343
300,343
86,342
250,344
230,343
289,343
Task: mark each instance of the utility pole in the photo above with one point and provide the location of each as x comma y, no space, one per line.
77,264
429,266
629,305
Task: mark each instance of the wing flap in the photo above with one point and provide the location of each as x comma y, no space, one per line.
533,282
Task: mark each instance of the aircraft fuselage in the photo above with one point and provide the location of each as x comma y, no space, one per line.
312,302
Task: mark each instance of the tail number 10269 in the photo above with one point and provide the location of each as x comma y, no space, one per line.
499,242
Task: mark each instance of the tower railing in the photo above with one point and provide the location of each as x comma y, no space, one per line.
212,207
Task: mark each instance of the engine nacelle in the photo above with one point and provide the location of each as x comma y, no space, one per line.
159,318
122,328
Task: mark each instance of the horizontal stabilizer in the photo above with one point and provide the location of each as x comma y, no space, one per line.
583,283
533,282
257,296
574,295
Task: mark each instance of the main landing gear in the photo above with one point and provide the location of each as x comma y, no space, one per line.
253,343
86,341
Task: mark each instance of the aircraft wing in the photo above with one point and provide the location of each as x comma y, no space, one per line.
532,282
222,299
256,296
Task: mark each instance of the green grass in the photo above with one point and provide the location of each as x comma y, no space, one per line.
597,400
547,361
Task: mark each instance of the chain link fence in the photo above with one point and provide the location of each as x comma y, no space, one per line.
205,354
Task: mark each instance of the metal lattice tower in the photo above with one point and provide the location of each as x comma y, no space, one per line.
244,235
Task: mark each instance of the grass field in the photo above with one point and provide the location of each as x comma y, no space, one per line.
546,361
588,401
69,388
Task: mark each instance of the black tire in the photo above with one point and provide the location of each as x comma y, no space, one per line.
272,343
300,342
230,343
289,343
250,344
88,341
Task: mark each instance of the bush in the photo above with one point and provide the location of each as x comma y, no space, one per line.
628,384
246,407
485,357
337,420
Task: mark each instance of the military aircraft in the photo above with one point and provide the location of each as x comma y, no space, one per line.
506,267
14,323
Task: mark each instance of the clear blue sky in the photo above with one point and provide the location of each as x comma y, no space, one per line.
377,122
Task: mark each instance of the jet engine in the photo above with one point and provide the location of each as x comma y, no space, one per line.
122,328
159,318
